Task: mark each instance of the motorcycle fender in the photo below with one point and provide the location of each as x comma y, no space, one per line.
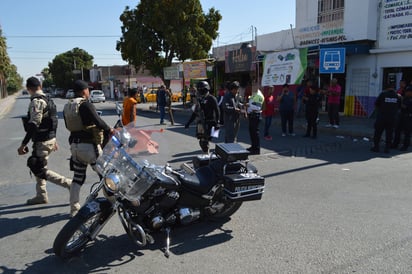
99,204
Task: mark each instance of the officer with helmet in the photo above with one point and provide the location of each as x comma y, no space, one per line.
206,113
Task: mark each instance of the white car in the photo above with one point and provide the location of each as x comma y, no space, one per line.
70,94
97,96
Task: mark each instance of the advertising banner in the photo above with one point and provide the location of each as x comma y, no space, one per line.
284,67
240,60
194,70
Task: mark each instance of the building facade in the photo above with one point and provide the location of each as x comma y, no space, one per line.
375,34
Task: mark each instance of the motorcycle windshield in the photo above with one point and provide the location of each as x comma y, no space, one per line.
133,155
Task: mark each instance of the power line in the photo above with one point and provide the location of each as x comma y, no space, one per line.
62,36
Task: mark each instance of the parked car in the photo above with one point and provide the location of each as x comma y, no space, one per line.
25,92
97,96
59,92
178,97
70,94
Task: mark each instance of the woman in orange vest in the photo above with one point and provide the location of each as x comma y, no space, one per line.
129,107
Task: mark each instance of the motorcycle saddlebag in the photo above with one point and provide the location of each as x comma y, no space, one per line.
244,186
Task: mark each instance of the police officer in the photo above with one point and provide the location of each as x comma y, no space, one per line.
87,130
231,107
207,113
40,125
254,110
405,121
387,105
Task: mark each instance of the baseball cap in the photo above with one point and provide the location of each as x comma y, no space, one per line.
80,85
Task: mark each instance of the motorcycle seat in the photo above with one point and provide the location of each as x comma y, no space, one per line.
202,181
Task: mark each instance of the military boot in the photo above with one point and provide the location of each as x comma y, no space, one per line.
74,199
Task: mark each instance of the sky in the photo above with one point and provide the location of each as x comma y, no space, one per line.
37,31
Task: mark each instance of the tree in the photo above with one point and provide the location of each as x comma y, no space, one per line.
10,80
160,31
63,67
48,80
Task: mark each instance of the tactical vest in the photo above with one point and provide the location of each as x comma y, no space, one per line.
48,125
72,116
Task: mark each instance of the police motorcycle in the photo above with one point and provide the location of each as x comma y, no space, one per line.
150,198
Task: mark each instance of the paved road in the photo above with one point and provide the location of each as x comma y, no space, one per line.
330,206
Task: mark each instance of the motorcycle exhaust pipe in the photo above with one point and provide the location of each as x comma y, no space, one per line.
133,228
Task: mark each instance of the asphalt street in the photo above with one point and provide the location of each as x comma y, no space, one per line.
330,206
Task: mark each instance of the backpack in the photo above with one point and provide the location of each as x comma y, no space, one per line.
71,114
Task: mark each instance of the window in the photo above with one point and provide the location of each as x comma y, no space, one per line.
330,10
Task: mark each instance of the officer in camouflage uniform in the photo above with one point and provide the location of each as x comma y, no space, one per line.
40,126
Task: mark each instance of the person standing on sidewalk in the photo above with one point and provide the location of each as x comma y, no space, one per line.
254,110
268,111
87,132
333,93
286,109
398,128
40,126
232,113
312,103
387,105
404,123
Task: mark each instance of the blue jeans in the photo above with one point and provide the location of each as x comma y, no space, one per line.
162,113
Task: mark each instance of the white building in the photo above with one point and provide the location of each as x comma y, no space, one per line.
377,37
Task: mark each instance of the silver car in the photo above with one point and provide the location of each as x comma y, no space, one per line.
97,96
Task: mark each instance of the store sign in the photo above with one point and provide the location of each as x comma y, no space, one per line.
194,70
396,23
285,67
240,60
325,33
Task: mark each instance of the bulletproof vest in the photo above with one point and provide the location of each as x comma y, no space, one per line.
48,125
72,116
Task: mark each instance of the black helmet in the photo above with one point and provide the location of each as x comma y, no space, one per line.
203,88
234,85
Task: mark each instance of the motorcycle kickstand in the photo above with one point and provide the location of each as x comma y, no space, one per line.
167,252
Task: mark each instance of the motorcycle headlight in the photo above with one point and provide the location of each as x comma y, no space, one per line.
112,182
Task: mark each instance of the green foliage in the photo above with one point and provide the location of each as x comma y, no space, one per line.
159,31
63,65
10,80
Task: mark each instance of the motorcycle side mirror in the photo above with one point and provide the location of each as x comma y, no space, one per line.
132,143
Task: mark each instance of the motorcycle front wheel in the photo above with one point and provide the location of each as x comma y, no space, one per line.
74,236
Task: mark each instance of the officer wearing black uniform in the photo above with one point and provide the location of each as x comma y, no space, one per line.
232,109
387,105
87,131
40,125
207,113
405,121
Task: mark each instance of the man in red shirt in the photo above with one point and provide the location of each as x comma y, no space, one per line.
333,94
268,111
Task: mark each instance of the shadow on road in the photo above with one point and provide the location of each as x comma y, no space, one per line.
109,252
10,226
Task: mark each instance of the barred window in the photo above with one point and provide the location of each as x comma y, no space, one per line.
330,10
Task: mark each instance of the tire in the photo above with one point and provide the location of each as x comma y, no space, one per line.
74,236
228,210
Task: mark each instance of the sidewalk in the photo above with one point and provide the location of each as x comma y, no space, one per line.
356,127
7,103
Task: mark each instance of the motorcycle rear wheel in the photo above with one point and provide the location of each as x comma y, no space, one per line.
74,236
230,207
